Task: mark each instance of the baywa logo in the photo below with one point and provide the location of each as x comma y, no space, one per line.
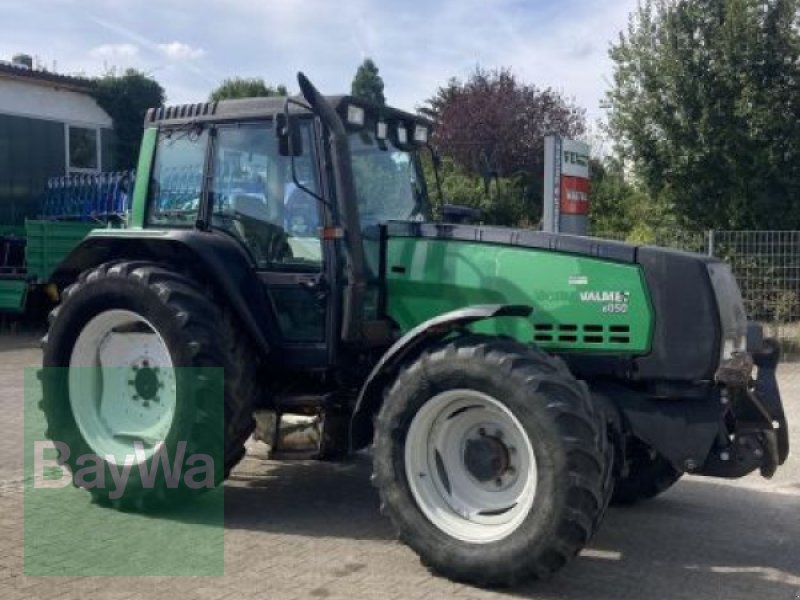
92,471
605,296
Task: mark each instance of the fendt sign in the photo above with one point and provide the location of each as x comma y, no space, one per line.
566,186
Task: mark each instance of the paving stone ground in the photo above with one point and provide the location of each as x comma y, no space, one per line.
313,530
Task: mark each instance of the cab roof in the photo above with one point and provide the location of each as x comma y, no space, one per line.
259,108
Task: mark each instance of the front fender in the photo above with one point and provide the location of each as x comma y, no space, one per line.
408,347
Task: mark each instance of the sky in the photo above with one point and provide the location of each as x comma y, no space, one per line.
190,47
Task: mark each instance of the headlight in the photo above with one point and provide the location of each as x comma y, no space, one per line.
402,134
733,319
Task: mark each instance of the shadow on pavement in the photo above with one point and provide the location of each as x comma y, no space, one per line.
308,498
700,540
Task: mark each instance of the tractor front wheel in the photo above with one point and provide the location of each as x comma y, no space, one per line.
491,461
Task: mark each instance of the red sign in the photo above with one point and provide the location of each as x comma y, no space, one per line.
574,195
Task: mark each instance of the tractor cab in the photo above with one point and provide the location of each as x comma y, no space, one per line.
304,189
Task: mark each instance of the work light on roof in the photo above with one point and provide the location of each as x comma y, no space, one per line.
355,115
402,134
421,134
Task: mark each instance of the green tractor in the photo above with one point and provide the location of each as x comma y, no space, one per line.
511,383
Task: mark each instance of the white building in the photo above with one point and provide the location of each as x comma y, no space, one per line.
49,126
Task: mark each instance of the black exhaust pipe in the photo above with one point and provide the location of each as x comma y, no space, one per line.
347,212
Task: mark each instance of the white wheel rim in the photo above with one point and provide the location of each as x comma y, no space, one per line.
122,388
476,501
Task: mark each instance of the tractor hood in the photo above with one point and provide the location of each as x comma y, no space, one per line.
649,313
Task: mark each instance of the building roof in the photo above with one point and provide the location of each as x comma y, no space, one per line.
22,73
44,95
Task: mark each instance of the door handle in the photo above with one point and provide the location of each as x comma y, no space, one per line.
317,287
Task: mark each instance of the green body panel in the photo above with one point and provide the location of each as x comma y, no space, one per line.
13,293
579,303
49,242
143,170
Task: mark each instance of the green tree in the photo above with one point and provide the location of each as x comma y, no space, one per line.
705,105
367,83
612,200
622,210
491,127
243,87
126,99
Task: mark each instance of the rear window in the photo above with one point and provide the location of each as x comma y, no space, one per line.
177,178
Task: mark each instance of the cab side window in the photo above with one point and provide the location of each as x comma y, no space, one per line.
177,178
255,200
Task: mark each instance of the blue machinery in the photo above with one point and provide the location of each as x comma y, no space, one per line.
88,197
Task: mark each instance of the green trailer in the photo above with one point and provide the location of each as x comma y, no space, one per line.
45,244
72,206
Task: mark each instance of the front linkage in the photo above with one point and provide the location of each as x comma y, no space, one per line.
754,433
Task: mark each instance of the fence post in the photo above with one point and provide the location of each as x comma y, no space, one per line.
710,244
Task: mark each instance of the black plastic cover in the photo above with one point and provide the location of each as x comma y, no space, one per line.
686,338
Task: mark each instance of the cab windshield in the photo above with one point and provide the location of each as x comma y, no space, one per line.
388,181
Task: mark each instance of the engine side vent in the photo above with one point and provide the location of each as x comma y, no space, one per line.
581,335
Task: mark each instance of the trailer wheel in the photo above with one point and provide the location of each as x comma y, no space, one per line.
649,474
126,378
490,461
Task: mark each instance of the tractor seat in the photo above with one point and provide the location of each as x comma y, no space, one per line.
253,206
302,214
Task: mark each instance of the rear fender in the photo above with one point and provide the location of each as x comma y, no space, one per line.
409,346
214,256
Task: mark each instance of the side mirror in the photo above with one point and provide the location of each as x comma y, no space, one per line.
459,214
290,140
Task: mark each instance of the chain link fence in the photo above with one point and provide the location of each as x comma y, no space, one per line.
767,267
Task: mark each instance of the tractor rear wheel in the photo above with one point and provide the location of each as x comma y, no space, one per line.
491,461
648,475
132,374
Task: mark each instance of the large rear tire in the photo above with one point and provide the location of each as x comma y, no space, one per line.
491,461
129,359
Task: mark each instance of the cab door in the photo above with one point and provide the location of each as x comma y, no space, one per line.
255,199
